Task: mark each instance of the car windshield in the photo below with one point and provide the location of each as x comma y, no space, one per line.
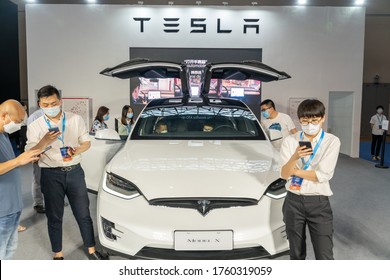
197,122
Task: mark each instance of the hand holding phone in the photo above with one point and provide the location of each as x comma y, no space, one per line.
305,143
54,129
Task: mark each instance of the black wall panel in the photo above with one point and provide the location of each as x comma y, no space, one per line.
9,51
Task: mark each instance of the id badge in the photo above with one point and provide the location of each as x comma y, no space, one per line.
380,126
296,183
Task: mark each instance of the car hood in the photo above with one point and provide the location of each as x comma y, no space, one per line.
197,168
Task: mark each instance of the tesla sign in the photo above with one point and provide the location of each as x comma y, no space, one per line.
199,25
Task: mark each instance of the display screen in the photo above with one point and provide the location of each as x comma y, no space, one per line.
237,92
171,87
153,94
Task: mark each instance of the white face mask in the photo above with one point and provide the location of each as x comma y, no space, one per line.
164,131
311,129
52,111
379,111
12,127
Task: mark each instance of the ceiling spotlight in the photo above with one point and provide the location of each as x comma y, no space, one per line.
140,2
254,3
91,1
31,1
359,2
170,3
301,2
225,3
198,2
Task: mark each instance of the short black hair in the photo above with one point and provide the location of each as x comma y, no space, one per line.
47,91
311,108
380,106
269,103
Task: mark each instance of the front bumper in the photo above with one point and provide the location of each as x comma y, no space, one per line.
144,231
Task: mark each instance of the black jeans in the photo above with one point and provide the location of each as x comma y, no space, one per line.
55,184
314,211
376,144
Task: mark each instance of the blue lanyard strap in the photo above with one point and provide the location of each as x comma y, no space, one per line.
380,120
307,163
61,138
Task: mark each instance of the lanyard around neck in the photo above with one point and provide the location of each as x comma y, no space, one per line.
380,120
307,163
61,138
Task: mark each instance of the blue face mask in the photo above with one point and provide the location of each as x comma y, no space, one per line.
265,114
106,117
52,111
129,115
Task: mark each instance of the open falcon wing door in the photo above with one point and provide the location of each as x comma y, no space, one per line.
106,143
145,68
245,70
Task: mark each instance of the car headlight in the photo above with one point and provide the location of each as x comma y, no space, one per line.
277,189
120,187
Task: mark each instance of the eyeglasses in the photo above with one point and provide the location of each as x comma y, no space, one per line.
312,121
265,109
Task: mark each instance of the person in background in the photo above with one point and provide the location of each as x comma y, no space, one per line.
274,120
38,201
126,121
161,127
103,115
377,132
11,204
23,130
308,171
22,144
208,127
61,172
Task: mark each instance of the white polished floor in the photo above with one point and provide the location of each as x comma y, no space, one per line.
361,208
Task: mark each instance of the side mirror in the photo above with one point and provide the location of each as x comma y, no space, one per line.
107,134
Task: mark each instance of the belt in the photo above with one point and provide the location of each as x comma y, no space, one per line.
66,168
308,198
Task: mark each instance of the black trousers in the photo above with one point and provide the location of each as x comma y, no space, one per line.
55,184
376,144
316,213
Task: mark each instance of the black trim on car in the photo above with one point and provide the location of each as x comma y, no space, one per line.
203,204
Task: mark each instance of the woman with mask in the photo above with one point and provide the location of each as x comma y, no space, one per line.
377,132
103,114
126,121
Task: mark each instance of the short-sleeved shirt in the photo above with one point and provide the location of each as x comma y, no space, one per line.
75,134
377,120
10,182
281,122
323,163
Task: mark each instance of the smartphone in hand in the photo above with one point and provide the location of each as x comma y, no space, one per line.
54,129
305,143
45,150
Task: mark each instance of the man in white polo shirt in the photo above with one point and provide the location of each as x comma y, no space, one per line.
61,173
308,171
274,120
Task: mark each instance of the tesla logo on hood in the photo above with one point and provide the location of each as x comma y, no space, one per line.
203,206
198,25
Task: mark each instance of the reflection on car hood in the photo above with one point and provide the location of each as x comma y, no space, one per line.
197,168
